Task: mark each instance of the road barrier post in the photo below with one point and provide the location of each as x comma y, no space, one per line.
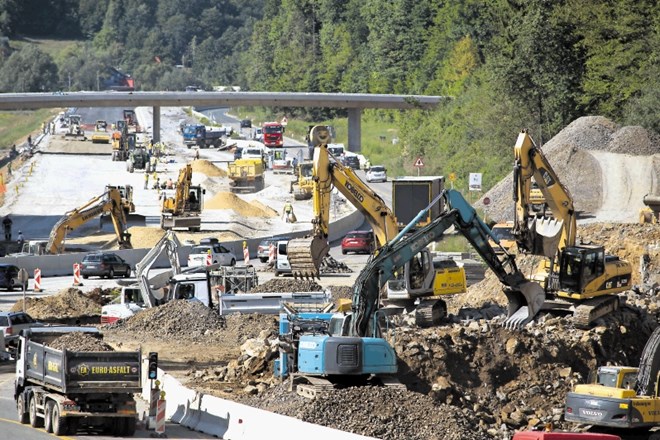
246,253
76,275
37,280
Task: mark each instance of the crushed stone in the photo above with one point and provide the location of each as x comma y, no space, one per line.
78,341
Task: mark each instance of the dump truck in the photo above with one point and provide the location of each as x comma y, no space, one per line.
247,175
63,389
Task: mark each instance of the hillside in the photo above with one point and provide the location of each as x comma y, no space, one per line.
607,169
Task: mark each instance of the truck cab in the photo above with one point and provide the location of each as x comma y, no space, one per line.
273,134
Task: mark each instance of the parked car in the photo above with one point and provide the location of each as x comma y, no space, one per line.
11,323
210,246
246,123
358,241
377,173
264,247
104,264
9,277
351,162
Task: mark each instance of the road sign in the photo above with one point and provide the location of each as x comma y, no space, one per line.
419,163
452,177
475,182
23,276
486,201
284,121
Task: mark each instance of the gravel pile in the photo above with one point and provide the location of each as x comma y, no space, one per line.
78,341
568,152
330,265
378,412
278,285
178,318
67,303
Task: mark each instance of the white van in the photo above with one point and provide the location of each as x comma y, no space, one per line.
253,151
282,261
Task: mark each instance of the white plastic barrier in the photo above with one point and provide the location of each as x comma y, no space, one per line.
234,421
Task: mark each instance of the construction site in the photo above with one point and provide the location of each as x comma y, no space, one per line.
479,371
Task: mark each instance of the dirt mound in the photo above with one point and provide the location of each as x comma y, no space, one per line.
78,341
67,303
227,200
579,170
278,285
175,319
205,167
267,209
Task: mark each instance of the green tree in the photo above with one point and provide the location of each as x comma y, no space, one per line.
620,38
28,70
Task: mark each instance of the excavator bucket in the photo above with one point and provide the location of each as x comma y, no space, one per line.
545,234
305,256
525,301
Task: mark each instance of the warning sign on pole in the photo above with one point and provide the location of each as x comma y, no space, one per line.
419,163
475,181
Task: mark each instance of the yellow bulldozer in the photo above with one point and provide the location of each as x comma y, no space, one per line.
302,187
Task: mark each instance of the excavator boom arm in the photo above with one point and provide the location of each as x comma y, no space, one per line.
541,236
108,202
402,249
305,255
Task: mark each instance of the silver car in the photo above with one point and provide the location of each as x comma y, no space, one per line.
377,173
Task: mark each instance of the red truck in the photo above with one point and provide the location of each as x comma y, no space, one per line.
273,133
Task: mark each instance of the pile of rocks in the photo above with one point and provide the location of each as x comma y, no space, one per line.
281,285
181,319
79,341
330,265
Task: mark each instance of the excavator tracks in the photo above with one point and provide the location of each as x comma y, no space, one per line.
312,387
592,309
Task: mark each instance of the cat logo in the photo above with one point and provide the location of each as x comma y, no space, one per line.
83,369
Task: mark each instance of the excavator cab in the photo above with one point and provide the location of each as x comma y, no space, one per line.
579,265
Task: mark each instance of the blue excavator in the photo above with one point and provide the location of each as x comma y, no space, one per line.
321,351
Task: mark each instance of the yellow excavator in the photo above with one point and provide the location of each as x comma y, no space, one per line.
577,278
183,209
107,203
422,283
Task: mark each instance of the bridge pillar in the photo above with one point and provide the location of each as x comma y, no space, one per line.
156,123
354,129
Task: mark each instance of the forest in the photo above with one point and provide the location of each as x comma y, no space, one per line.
502,64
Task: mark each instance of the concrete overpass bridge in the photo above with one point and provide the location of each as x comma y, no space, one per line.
353,102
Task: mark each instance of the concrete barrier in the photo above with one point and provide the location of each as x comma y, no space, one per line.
234,421
62,265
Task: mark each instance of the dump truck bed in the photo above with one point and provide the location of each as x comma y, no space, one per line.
79,371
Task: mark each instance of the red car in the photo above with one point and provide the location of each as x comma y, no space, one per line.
358,241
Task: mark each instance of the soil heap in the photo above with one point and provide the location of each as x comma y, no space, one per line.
228,200
67,303
207,168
